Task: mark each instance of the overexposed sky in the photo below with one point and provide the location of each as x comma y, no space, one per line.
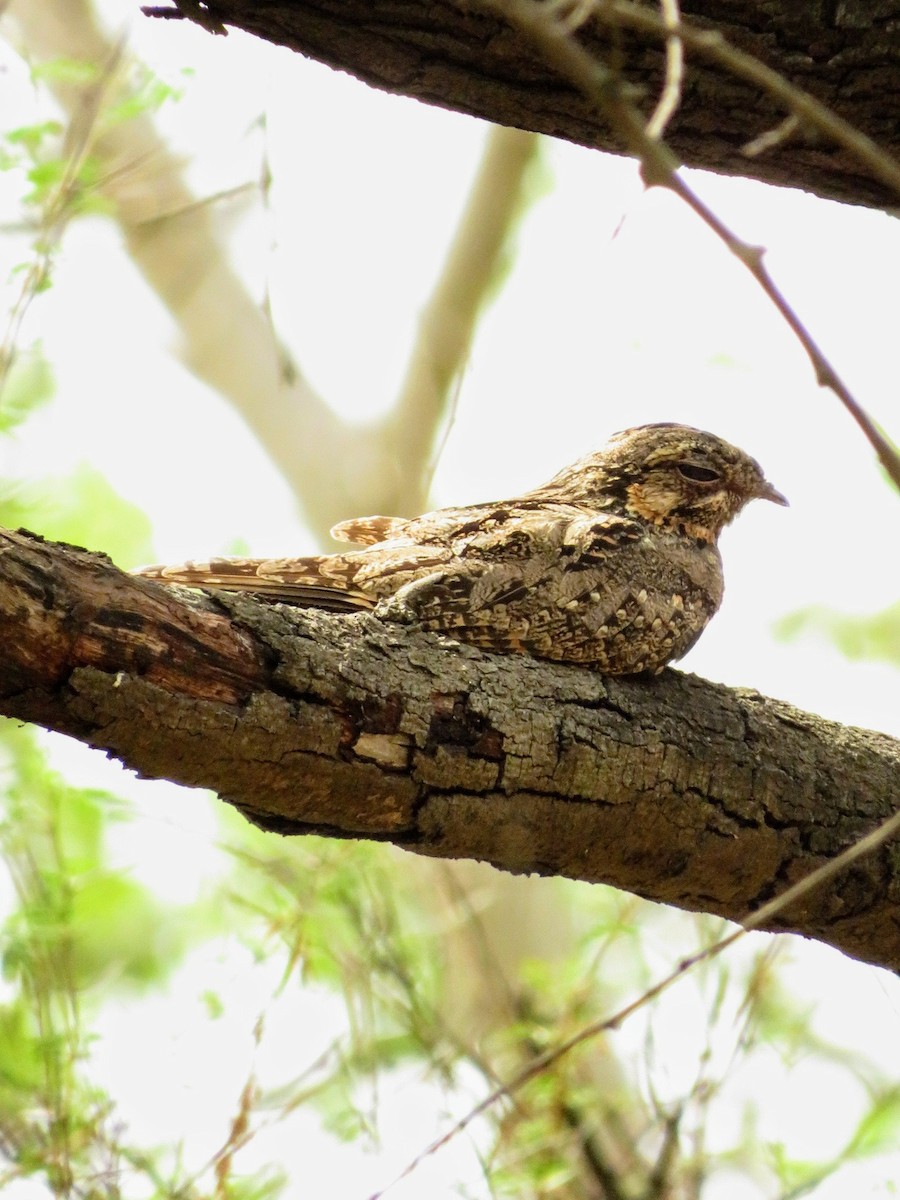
621,308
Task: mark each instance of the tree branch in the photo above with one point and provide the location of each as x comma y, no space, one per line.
677,789
459,56
475,259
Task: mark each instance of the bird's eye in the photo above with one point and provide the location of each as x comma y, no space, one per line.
698,474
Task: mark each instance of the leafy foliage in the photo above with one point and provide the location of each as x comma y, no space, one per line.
62,180
61,940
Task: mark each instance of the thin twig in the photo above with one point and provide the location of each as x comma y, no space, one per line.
711,44
826,375
762,916
670,97
764,142
659,168
60,207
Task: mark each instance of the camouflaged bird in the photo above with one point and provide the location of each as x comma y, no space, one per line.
613,563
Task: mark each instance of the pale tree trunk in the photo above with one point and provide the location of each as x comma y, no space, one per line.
226,337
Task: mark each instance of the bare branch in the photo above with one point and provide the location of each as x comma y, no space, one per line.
676,789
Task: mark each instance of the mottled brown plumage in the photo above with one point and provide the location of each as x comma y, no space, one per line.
613,563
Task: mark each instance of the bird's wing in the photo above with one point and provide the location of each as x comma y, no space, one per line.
368,531
577,589
501,571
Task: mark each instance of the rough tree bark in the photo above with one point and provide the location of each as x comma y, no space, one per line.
457,54
677,789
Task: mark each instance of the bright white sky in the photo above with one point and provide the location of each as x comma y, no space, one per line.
621,309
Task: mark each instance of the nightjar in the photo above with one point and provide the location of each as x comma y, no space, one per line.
613,563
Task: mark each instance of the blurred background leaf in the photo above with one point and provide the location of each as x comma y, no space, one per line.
873,637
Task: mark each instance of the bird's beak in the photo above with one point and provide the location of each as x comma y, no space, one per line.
765,491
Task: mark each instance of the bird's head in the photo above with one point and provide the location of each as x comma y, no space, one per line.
672,476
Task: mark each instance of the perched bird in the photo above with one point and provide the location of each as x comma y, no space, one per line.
613,563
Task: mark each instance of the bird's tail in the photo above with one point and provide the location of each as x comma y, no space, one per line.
325,582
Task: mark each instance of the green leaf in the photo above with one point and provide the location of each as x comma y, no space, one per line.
264,1184
31,137
798,1176
21,1071
83,510
44,176
28,385
213,1004
119,933
66,70
875,637
879,1130
147,100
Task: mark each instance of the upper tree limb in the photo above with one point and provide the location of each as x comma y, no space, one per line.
461,55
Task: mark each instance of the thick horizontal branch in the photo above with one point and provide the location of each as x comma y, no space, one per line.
674,788
458,54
